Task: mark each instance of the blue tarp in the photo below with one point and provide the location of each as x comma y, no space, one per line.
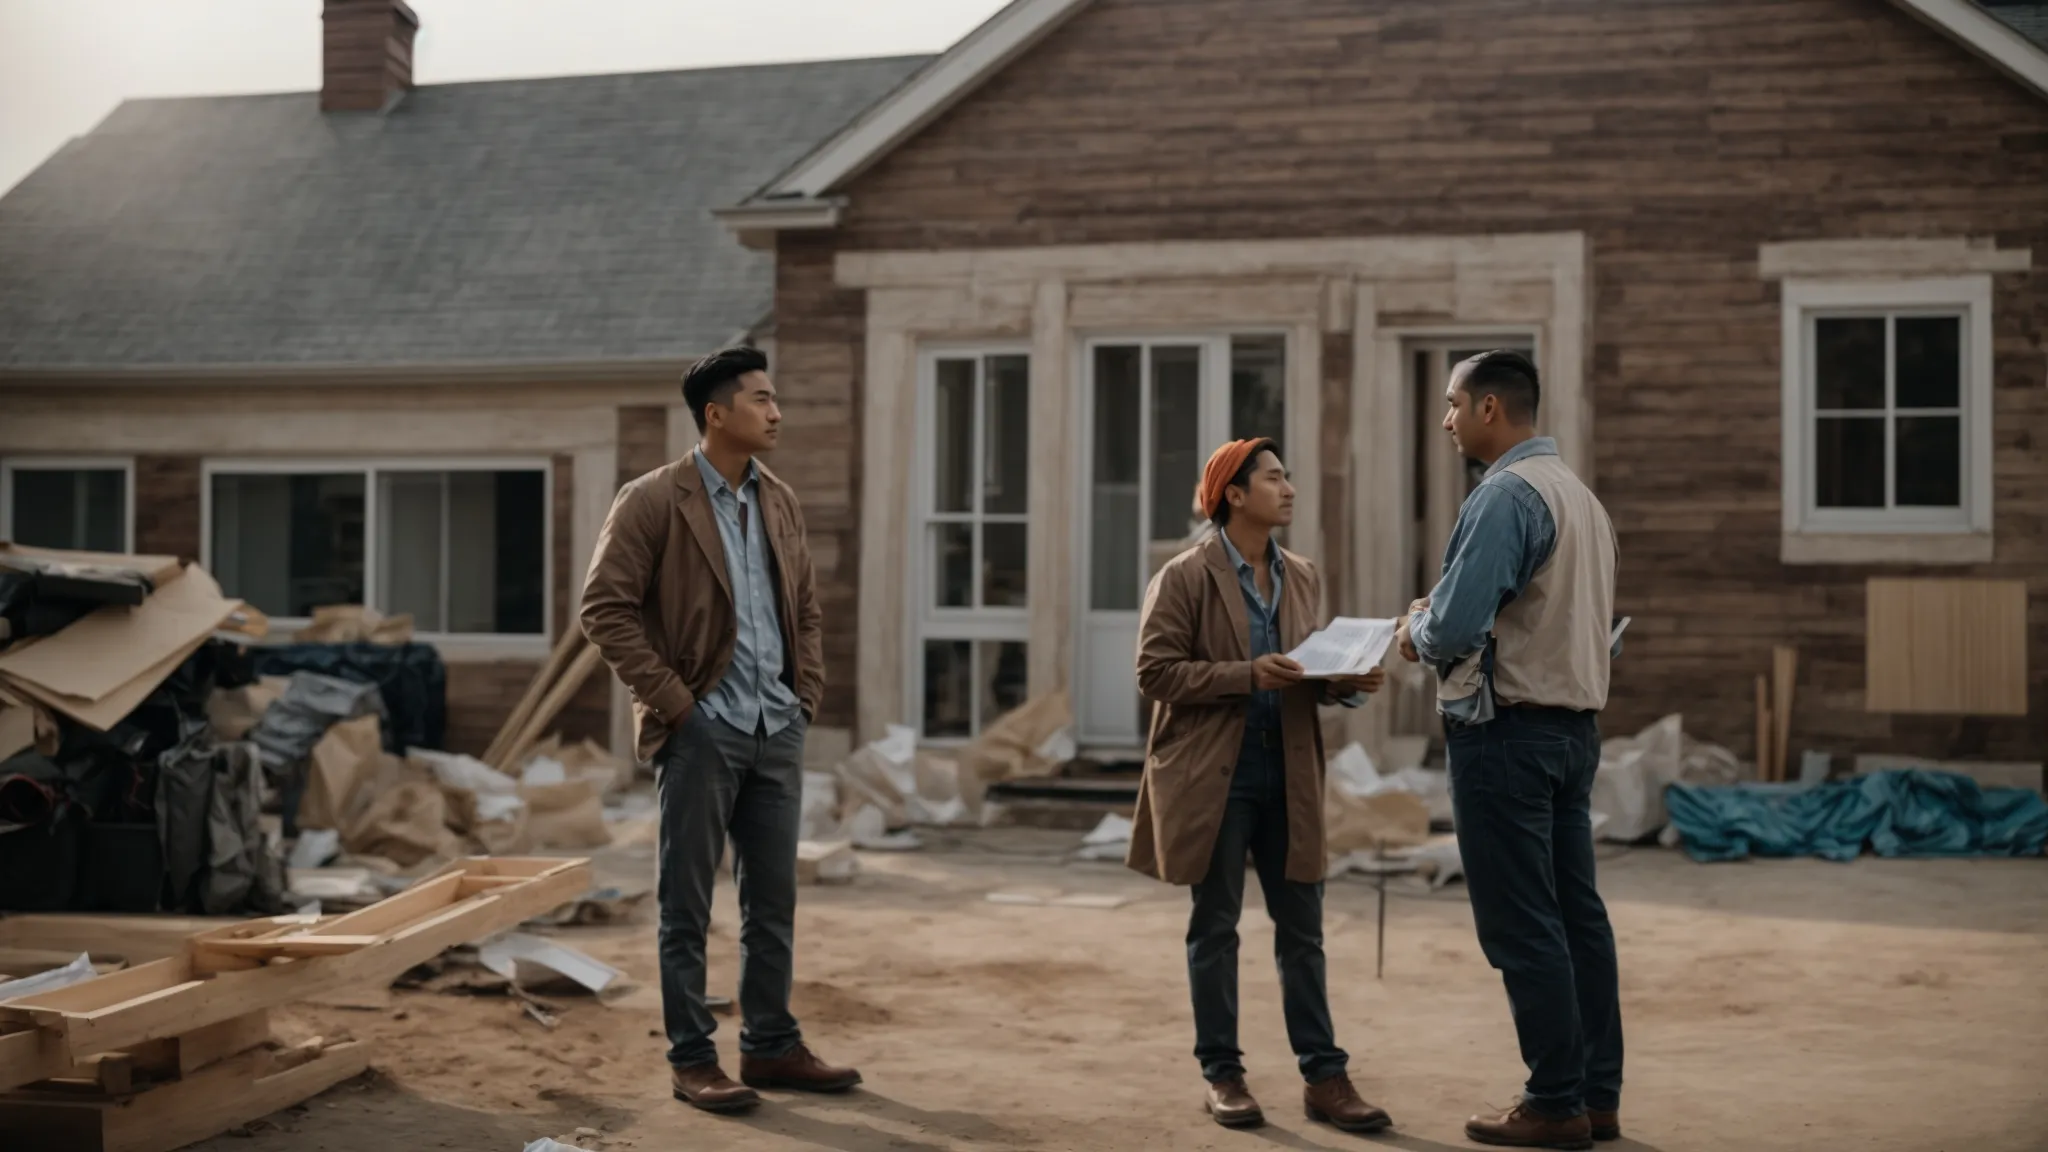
1905,813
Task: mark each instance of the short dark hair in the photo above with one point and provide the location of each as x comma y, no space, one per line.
716,377
1243,478
1507,375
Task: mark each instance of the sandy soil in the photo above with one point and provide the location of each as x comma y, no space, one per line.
1887,1006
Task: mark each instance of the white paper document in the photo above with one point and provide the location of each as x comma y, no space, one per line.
1350,646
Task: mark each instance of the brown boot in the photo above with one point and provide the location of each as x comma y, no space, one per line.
706,1086
1232,1106
797,1070
1523,1128
1606,1125
1336,1102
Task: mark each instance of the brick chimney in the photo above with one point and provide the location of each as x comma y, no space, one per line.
366,58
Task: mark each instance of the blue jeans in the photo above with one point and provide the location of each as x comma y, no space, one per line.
1521,789
1255,821
713,780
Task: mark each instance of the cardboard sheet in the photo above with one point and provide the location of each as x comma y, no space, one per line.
110,710
161,570
100,654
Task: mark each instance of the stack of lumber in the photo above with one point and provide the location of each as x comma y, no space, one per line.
568,666
152,1057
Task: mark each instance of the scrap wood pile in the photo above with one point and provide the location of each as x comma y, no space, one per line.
153,1057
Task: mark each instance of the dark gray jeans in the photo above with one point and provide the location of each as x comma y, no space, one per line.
1521,789
1255,822
715,779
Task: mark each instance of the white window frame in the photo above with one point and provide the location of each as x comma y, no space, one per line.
125,465
498,643
925,619
1814,535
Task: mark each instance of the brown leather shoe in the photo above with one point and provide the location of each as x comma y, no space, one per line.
1606,1125
1336,1102
1523,1128
707,1086
1230,1103
797,1070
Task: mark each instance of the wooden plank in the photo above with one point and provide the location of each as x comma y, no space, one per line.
16,963
571,640
184,1003
1953,647
31,1055
552,704
1785,675
138,939
311,944
180,1056
170,1116
394,912
1764,730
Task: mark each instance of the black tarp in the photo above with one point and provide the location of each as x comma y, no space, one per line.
410,678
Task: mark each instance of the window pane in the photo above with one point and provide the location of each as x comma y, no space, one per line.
1003,565
1849,462
1258,389
1849,362
1930,363
1002,673
1177,448
1006,473
1113,501
497,568
1930,463
953,565
85,508
948,688
409,553
522,549
953,438
289,544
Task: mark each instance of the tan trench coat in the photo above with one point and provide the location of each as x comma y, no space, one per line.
1194,664
658,601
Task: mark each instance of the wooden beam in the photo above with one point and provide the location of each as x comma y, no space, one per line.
552,704
168,1117
138,939
170,998
572,639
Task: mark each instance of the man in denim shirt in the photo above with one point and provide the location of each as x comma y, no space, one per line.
1518,631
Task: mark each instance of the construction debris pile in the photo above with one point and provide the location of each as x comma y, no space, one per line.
156,1056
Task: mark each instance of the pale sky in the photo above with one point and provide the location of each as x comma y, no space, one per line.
65,64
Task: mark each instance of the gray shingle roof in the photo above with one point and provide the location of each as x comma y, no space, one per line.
531,221
2028,18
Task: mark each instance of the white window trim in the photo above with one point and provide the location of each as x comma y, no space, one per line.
32,463
1812,536
924,620
466,645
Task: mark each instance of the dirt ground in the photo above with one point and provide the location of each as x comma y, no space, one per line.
1887,1006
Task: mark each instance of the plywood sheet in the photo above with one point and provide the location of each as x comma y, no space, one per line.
1954,647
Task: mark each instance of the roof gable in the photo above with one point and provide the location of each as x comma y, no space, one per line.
801,197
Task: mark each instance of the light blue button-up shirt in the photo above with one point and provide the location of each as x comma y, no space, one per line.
1263,623
752,694
1505,534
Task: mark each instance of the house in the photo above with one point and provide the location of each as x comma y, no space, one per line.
388,344
1775,260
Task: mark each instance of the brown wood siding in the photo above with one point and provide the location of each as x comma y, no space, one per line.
167,500
481,695
1677,135
564,579
818,382
643,441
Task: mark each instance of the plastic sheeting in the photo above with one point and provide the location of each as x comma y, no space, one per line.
410,678
1896,813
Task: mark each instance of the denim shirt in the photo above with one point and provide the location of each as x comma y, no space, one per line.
752,694
1262,714
1505,534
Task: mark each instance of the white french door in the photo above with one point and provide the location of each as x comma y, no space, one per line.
1153,410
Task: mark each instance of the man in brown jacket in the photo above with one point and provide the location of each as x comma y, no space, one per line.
702,598
1234,764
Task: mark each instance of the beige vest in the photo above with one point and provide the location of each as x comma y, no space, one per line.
1551,643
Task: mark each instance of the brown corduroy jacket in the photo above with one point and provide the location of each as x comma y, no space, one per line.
658,602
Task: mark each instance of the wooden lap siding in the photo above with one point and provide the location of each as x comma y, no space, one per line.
1678,136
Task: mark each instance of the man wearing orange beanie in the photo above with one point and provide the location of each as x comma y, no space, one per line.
1234,765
